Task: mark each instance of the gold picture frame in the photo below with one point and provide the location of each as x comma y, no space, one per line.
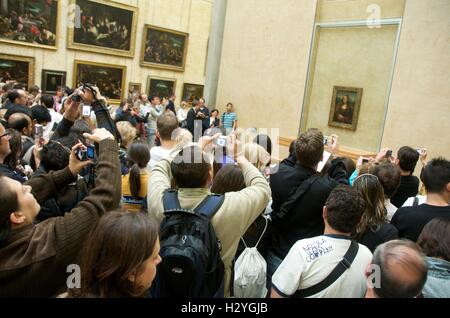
151,54
160,87
88,45
134,87
31,23
51,80
345,105
192,92
14,71
101,75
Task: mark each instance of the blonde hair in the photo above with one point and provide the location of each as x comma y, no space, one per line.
127,132
183,137
257,155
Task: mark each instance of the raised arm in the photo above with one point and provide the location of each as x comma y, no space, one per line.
105,196
158,182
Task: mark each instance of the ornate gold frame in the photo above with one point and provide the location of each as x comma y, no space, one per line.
150,77
185,84
158,65
31,64
97,49
48,47
354,123
44,76
130,84
122,67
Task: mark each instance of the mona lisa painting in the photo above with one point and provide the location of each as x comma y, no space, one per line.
345,106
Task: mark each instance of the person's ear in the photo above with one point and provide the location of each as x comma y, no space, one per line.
17,218
324,212
157,134
132,277
448,187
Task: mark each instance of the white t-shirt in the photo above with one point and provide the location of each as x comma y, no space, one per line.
56,118
410,201
390,208
156,154
311,260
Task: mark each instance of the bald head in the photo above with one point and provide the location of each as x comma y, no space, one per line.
21,122
403,269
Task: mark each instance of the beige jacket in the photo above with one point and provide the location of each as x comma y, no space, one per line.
238,212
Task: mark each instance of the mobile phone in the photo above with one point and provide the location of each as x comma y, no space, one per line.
325,140
86,111
90,152
388,153
365,160
221,141
38,134
420,151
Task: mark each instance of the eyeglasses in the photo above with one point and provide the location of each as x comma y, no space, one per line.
6,134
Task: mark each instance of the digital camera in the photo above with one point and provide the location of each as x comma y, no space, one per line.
221,141
86,154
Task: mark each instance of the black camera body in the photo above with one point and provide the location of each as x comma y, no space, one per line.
76,98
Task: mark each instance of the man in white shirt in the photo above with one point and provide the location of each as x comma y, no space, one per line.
166,125
310,261
155,110
47,101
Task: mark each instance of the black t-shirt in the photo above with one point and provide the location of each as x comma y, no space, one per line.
409,187
371,239
410,221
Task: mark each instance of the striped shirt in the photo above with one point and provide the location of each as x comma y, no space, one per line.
228,120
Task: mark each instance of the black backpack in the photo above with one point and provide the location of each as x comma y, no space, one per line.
191,265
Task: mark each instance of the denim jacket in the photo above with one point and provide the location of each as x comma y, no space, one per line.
438,279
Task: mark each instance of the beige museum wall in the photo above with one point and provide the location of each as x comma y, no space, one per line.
419,108
353,57
191,16
265,60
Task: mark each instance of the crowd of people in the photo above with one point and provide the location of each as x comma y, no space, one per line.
152,200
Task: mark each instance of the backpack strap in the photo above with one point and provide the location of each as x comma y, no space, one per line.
340,268
210,205
170,200
286,207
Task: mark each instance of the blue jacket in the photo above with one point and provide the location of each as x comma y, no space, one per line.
438,279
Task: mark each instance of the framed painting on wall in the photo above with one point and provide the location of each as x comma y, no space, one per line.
163,48
192,92
134,88
110,79
103,26
14,68
161,87
345,105
51,80
30,22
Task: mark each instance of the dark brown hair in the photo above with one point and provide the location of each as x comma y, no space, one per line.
389,176
189,168
15,143
116,248
345,206
309,148
435,239
166,125
8,205
138,157
228,179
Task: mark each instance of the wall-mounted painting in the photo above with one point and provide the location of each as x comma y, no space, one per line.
14,68
192,92
30,22
163,48
51,80
110,79
161,87
134,88
345,106
103,26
